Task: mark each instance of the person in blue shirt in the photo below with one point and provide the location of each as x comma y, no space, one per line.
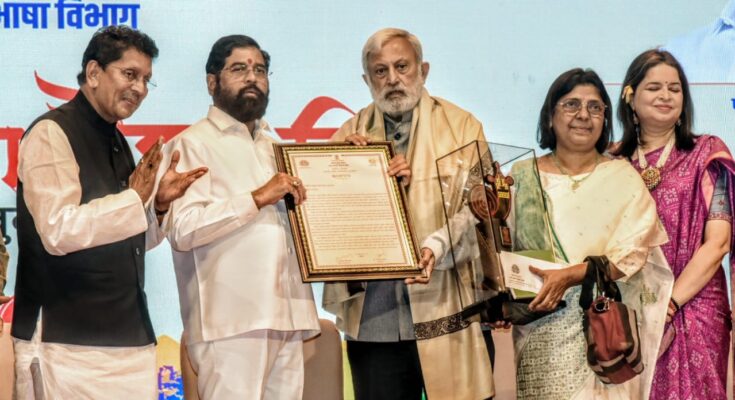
707,53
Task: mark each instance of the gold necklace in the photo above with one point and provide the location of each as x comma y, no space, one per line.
575,182
652,174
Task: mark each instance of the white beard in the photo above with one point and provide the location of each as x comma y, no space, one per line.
401,104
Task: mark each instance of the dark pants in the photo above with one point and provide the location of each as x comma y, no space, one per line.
384,371
487,334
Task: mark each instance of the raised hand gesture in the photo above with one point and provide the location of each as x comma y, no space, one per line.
174,184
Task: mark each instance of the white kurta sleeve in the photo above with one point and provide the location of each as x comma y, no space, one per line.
155,233
52,192
460,230
197,219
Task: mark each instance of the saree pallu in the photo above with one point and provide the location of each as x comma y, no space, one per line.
455,366
612,214
695,364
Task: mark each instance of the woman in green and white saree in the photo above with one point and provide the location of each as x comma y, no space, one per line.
597,206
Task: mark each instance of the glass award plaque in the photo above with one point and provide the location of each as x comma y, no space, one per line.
495,216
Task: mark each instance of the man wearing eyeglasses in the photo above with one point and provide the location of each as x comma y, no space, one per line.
389,357
245,309
86,215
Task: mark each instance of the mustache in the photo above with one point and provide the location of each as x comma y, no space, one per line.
130,95
398,89
253,87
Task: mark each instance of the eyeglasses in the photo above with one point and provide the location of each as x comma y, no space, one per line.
132,75
574,106
243,70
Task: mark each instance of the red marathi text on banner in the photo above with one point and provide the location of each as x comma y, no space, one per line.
302,130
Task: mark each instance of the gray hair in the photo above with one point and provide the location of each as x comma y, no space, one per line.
379,38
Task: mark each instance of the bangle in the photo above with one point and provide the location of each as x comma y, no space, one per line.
677,307
160,213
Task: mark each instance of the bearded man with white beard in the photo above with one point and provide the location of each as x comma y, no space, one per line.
389,359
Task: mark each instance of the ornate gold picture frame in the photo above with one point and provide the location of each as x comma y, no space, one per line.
354,224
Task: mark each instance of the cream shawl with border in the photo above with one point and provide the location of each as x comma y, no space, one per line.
455,366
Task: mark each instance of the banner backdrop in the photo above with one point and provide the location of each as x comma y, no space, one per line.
493,58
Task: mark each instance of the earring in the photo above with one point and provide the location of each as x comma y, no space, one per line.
635,119
678,122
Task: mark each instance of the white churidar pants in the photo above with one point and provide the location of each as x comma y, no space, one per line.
262,364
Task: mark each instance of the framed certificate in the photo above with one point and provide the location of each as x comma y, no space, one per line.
354,224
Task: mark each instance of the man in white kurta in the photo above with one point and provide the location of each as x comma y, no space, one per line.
244,306
83,213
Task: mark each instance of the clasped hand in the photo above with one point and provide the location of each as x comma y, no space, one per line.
427,266
277,187
556,283
397,166
172,184
143,178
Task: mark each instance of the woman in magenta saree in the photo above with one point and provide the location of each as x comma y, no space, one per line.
692,179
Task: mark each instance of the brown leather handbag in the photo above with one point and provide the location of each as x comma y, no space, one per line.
610,328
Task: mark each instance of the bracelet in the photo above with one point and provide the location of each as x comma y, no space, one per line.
160,213
677,307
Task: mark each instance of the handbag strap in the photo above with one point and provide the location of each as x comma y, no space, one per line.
590,278
598,273
604,279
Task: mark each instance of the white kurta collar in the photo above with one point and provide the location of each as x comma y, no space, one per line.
226,123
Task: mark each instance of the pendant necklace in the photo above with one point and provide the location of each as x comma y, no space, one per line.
575,182
652,174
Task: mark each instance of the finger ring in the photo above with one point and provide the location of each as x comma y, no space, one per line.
295,183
